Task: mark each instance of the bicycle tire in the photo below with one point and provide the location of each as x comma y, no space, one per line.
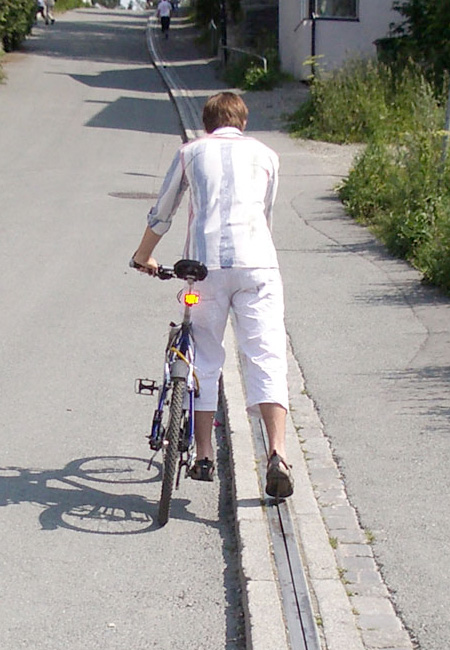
171,451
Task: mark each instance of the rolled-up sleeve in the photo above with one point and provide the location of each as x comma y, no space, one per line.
272,187
159,218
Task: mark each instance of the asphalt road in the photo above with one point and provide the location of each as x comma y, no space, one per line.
86,133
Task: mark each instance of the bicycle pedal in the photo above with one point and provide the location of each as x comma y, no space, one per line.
145,386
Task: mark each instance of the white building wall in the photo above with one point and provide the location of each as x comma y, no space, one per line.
336,40
294,36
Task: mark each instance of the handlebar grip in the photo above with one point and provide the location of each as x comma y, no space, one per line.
165,272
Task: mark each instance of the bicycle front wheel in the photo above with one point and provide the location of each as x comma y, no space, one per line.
171,449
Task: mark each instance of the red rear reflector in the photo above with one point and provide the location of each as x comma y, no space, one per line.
191,298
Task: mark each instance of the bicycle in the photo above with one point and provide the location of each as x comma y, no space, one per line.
172,430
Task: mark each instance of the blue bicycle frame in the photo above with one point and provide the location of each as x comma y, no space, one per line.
175,433
178,365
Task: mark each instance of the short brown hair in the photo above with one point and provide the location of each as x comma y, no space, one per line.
224,109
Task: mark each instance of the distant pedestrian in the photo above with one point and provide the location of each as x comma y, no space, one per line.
49,18
163,13
40,10
175,6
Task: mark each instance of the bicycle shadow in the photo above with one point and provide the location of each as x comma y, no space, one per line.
91,495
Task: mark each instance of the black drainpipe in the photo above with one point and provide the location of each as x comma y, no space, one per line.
223,29
313,17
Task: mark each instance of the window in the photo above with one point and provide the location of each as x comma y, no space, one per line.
335,8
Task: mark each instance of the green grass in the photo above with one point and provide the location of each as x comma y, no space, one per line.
400,184
403,193
366,101
247,72
66,5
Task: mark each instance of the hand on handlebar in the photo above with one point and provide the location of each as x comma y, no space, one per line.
149,266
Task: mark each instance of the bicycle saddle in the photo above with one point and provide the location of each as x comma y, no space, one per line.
190,269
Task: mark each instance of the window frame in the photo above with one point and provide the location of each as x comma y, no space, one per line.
315,16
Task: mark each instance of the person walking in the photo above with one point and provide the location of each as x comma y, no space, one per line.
49,6
164,12
232,181
40,10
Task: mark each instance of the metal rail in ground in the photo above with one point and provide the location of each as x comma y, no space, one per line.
297,607
188,111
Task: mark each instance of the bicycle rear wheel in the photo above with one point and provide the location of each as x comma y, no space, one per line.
171,449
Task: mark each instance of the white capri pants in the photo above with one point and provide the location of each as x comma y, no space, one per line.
256,298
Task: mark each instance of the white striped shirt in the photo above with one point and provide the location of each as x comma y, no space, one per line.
164,9
232,181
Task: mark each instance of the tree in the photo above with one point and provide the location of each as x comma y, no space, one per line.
427,27
207,10
16,20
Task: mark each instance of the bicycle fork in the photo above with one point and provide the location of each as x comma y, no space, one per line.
177,369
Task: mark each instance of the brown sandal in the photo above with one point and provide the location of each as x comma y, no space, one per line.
202,470
279,481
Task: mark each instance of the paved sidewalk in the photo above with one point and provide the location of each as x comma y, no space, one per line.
353,608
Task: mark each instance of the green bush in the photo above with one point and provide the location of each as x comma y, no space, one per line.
365,101
403,193
256,78
426,27
67,5
17,18
16,21
207,10
433,258
247,73
399,186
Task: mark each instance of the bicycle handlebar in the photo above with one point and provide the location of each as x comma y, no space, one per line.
183,270
166,272
163,272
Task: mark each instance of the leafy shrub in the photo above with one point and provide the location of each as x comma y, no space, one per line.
207,10
66,5
17,18
433,258
16,21
247,72
365,101
403,194
399,186
256,78
426,33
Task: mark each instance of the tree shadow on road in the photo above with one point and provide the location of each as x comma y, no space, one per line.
132,114
108,37
425,390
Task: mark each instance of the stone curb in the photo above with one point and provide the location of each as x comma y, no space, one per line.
190,118
264,622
